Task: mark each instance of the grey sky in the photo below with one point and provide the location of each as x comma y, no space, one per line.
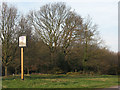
103,12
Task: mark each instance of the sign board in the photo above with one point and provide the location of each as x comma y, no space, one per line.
22,41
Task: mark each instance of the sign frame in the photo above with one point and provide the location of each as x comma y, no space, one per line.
25,41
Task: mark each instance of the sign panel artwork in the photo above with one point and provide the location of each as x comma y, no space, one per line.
22,41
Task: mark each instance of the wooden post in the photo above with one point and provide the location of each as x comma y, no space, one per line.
22,70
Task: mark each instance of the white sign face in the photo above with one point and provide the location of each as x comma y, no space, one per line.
22,41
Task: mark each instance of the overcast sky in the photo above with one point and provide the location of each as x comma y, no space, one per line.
103,12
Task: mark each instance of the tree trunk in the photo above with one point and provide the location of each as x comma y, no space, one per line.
6,71
75,70
28,71
51,58
16,71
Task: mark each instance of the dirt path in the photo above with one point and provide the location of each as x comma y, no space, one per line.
112,88
115,87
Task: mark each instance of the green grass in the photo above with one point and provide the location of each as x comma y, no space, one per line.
60,81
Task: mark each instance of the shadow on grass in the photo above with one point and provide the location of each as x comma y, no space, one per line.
45,77
33,77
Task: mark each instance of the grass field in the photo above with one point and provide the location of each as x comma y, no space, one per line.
60,81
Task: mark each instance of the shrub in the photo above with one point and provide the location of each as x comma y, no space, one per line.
73,73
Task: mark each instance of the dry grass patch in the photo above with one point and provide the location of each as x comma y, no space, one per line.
84,85
4,86
99,79
57,80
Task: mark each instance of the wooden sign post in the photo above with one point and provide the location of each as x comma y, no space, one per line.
22,44
22,69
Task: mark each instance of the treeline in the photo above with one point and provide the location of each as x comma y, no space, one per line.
58,41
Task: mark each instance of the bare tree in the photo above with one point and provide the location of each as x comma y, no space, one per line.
7,34
87,36
72,23
48,23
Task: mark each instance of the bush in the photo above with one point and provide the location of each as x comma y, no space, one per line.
73,73
56,70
